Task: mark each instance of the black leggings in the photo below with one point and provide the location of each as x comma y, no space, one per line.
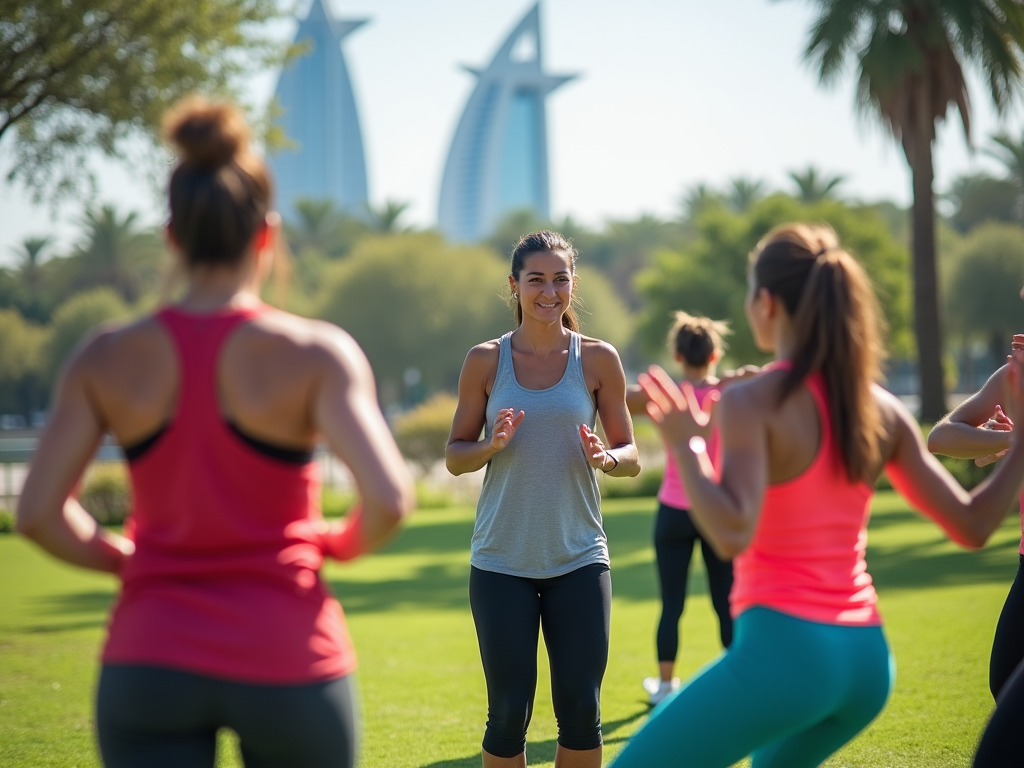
1008,644
1001,745
148,717
574,611
674,537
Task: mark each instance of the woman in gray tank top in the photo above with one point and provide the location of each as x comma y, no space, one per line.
539,553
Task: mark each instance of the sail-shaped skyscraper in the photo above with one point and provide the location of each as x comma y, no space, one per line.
320,119
498,160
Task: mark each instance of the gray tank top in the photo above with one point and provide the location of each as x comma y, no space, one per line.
539,512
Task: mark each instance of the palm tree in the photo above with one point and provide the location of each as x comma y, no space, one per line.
385,217
909,58
813,186
1011,154
743,193
115,252
699,198
29,255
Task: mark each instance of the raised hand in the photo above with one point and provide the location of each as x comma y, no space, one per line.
505,425
676,412
597,456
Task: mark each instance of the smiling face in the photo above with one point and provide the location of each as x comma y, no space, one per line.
544,286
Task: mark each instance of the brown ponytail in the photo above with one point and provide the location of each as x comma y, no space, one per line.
538,242
219,191
835,317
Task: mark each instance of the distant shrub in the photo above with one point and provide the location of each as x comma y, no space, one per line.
430,497
646,483
107,494
6,521
335,503
422,433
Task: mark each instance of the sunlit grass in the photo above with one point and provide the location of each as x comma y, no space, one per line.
420,677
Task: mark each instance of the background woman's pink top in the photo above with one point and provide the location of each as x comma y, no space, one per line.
672,493
807,555
224,580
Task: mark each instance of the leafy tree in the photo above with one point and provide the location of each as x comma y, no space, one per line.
979,197
115,252
909,59
602,311
1010,152
74,319
709,276
512,226
699,198
411,301
743,193
813,185
79,75
984,300
22,383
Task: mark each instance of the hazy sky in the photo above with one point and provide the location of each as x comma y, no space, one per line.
671,93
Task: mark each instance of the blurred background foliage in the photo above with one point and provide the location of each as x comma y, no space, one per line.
416,303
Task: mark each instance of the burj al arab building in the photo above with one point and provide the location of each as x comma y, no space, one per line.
498,160
318,115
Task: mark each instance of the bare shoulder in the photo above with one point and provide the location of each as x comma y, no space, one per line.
482,361
599,352
111,346
759,393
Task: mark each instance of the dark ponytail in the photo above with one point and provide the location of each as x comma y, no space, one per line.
538,242
835,317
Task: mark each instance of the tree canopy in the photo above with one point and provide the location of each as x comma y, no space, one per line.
79,75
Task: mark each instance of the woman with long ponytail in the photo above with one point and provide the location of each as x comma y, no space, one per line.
801,447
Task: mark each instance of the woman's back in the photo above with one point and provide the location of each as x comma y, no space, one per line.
806,557
226,524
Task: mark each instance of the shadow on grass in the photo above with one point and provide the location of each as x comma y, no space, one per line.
541,751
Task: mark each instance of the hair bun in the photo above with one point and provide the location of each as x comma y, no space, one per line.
207,134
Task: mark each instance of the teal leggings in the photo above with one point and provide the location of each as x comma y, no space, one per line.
789,692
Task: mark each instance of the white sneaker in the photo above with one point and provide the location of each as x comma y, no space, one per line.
657,689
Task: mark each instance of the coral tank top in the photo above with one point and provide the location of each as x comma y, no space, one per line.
225,580
807,555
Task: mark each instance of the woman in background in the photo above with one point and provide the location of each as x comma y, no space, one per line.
802,446
218,401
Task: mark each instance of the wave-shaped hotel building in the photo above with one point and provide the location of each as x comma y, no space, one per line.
319,117
498,160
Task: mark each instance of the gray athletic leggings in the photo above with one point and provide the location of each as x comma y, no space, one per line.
147,717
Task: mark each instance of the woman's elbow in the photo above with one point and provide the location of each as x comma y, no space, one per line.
27,521
936,438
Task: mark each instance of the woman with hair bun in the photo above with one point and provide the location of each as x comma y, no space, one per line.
801,447
218,402
539,552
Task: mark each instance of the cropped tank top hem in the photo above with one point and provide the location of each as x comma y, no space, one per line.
562,570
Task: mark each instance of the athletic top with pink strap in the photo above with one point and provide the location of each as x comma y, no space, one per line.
672,493
807,555
225,580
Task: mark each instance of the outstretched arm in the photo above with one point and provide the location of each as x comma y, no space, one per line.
968,518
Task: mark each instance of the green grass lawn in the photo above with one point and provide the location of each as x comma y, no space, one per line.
420,677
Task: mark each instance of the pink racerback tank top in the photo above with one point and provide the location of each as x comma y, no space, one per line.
224,581
672,493
807,555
